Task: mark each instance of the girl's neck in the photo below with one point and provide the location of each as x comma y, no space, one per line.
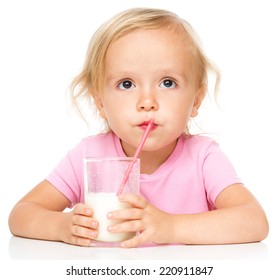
151,160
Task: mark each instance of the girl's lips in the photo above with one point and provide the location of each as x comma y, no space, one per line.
144,126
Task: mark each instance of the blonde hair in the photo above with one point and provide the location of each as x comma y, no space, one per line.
85,86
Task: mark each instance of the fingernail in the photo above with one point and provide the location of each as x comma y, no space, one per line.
93,233
110,228
94,224
92,244
121,197
109,215
88,211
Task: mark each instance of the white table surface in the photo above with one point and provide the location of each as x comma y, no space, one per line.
28,249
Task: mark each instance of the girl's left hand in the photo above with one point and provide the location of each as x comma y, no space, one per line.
152,224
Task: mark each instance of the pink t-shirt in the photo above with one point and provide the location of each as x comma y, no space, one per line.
187,182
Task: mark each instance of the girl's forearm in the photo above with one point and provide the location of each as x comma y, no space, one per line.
31,220
237,224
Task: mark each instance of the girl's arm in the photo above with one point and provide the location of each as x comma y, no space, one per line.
39,215
238,219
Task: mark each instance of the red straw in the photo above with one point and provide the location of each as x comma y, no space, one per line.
150,124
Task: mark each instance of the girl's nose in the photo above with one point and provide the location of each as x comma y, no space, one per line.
147,102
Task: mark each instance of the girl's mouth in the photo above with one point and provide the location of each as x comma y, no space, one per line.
144,126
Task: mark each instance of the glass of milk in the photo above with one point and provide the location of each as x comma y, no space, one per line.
102,179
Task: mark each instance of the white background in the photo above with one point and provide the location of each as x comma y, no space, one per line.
43,44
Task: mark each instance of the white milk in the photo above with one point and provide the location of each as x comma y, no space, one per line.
102,203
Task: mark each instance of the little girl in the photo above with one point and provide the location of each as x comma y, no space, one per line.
143,64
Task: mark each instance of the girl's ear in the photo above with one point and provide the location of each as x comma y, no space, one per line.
99,104
200,94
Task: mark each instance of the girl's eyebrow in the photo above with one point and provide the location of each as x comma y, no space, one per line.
120,75
163,72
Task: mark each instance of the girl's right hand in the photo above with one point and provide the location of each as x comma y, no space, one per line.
80,228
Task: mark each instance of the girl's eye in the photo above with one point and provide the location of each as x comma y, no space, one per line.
168,84
125,85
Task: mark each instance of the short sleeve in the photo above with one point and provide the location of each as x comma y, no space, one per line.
218,173
67,175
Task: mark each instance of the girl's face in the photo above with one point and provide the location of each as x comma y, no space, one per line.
149,73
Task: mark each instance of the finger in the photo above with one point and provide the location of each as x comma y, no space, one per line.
83,209
80,241
136,200
126,214
83,232
136,241
130,226
84,221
